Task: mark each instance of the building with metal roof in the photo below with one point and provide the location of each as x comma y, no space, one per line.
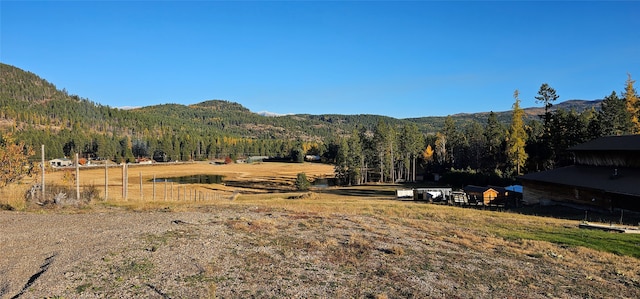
606,175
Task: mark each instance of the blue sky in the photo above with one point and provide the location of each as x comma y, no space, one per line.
401,59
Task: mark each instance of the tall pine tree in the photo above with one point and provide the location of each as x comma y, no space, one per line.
546,95
613,117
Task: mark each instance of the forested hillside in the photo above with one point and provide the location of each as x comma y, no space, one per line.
36,112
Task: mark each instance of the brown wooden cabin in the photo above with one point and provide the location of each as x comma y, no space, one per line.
480,195
606,176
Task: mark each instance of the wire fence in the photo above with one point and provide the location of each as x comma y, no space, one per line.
137,188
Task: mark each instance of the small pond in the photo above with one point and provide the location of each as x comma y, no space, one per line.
324,182
193,179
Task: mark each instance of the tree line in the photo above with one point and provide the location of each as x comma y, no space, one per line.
390,153
36,112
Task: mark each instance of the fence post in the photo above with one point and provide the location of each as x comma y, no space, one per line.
77,178
141,193
42,174
106,180
154,187
124,185
126,181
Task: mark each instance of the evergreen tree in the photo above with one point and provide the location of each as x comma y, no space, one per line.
494,136
69,148
592,120
333,146
476,144
369,157
384,139
454,142
139,148
341,168
535,148
569,129
355,159
125,150
546,95
613,117
441,148
411,143
302,183
297,155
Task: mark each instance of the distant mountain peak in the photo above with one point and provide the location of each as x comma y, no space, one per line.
221,105
577,105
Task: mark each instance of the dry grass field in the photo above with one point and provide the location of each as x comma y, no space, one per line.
260,238
238,178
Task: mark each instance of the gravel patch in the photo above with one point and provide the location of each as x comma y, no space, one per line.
232,252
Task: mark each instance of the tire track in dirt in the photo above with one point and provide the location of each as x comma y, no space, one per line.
43,268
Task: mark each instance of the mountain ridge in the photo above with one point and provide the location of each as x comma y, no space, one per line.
26,95
48,92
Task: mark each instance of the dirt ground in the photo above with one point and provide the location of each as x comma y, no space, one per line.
244,251
310,245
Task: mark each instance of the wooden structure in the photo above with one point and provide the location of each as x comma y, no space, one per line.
459,198
606,176
480,195
64,162
432,194
404,193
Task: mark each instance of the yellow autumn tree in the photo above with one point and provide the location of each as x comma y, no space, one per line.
14,160
517,136
633,104
427,154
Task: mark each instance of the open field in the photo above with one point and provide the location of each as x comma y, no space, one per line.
336,242
238,178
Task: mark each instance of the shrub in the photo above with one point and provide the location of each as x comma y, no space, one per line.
61,195
302,183
90,193
297,155
6,207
